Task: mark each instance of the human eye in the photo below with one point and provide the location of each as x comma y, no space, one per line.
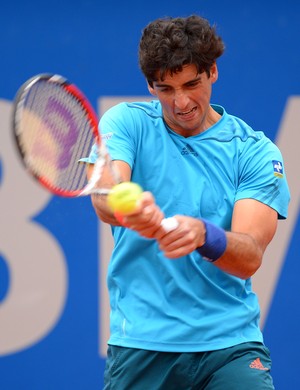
164,89
193,84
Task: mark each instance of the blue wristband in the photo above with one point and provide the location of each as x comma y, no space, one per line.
215,242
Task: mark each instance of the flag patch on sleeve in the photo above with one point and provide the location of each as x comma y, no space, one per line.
278,168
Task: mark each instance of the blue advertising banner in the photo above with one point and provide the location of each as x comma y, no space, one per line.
54,251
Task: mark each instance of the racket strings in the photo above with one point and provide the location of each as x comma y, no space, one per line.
55,131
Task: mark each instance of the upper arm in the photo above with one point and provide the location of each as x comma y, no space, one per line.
121,166
255,219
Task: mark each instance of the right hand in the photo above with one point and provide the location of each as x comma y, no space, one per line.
147,217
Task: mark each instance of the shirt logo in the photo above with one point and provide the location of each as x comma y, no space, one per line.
107,136
188,150
278,168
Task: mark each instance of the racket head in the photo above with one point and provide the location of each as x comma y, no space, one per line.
54,126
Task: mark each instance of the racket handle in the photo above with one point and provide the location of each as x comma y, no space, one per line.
169,224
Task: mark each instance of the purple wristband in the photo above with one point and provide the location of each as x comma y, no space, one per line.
215,242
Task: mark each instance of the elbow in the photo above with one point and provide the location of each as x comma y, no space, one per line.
250,261
252,267
248,274
243,267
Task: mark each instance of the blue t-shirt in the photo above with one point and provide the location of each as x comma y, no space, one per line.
186,304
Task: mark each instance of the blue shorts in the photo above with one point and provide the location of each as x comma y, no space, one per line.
242,367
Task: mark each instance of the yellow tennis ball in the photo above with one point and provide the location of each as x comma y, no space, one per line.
123,197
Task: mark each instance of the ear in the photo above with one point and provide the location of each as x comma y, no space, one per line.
214,74
151,90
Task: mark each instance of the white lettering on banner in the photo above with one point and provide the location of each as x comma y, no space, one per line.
288,141
36,264
265,280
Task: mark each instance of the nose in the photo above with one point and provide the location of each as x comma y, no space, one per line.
181,100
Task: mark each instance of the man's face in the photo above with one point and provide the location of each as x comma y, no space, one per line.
185,99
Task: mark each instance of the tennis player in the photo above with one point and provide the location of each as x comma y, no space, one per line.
183,313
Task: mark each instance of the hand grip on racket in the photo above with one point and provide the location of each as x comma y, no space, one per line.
54,127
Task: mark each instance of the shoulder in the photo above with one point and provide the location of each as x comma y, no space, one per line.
131,119
233,128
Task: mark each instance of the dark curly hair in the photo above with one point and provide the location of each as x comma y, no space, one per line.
167,44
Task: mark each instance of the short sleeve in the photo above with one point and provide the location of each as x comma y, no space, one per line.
117,130
262,175
92,158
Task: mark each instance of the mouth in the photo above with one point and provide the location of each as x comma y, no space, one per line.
187,113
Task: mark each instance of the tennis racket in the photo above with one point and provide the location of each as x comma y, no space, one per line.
54,127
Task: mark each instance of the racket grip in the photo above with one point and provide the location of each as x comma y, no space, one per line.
169,224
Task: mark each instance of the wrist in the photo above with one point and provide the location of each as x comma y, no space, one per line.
215,242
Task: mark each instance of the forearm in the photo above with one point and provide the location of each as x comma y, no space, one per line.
253,227
242,257
235,253
238,252
102,210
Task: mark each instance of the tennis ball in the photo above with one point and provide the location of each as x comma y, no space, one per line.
123,197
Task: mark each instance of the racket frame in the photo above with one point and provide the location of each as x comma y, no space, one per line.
90,114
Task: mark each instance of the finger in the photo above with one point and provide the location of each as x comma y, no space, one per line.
176,252
146,200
